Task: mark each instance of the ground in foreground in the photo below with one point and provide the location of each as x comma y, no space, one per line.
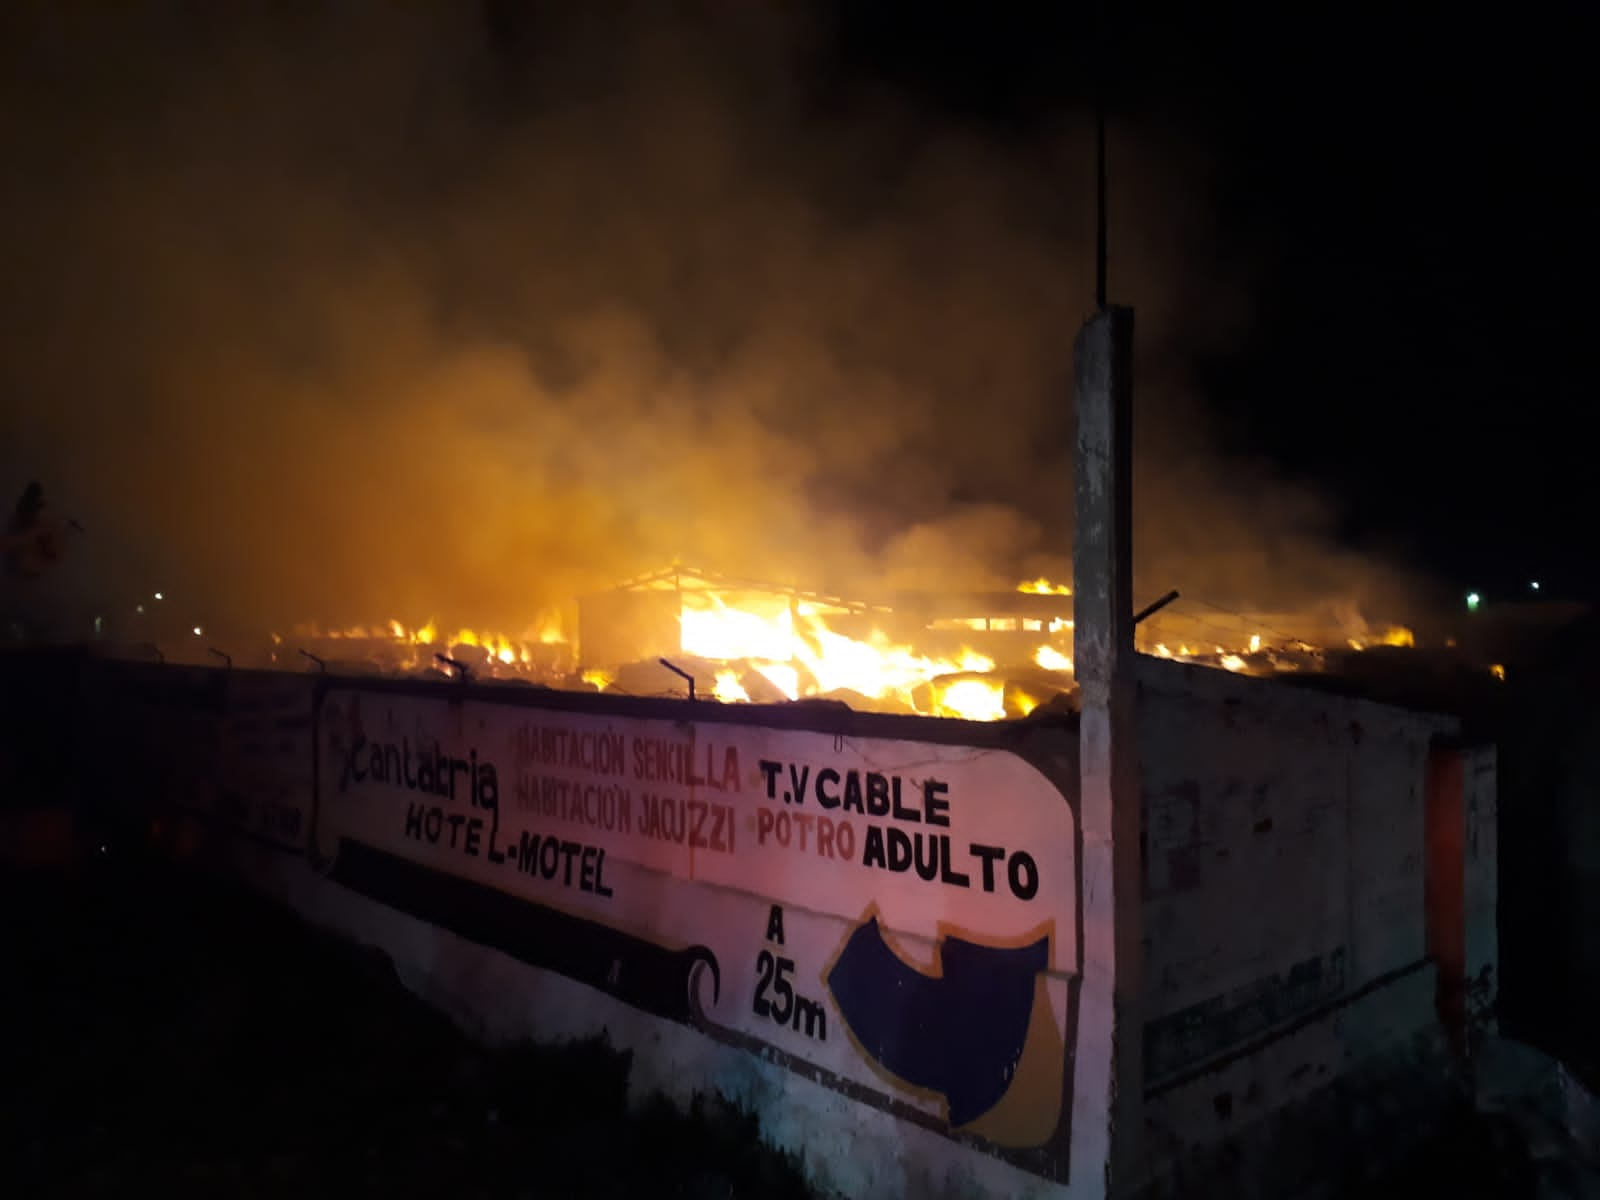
171,1036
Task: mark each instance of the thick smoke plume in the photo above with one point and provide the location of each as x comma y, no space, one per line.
356,311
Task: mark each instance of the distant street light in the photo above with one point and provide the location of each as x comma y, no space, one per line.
1534,585
1473,600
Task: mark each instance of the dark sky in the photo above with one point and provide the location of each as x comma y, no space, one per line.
793,294
1418,182
1425,181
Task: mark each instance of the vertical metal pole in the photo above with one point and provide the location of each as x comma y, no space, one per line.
1100,202
1102,76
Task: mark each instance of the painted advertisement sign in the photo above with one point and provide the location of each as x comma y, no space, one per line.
897,920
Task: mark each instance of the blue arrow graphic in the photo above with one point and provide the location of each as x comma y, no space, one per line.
960,1033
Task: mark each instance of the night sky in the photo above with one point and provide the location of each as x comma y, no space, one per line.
1411,189
273,276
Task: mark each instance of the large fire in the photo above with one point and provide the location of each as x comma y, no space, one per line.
794,650
744,643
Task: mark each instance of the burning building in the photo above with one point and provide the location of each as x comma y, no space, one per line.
973,654
967,656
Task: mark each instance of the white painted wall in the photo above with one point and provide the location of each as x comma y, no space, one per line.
861,1130
1284,829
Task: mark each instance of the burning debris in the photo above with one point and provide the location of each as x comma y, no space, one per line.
981,656
394,648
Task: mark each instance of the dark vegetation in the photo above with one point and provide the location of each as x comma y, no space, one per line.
168,1035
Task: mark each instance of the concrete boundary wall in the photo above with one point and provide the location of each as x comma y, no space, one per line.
913,1006
1293,917
867,929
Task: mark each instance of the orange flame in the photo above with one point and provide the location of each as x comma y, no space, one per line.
1043,587
777,644
793,648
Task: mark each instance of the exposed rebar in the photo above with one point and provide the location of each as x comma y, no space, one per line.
1152,609
681,673
461,668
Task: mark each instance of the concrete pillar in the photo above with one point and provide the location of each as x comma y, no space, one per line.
1444,887
1103,660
